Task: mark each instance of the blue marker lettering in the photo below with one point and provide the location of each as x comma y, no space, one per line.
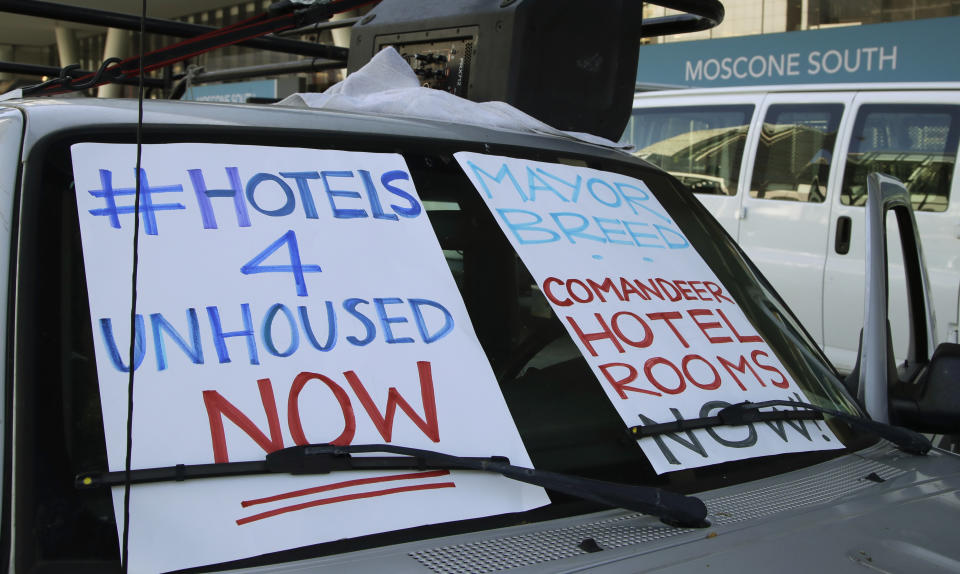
350,305
331,328
267,331
665,231
638,201
331,193
572,231
529,227
636,235
203,197
146,208
503,173
303,186
607,232
386,320
574,187
375,206
535,183
425,334
288,204
296,267
219,337
591,187
387,179
106,330
193,350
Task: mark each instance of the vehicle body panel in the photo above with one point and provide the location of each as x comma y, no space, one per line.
782,236
875,509
11,134
941,247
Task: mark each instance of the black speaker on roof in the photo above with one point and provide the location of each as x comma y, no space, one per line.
569,63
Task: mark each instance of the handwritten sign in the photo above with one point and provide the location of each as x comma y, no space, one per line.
662,334
285,296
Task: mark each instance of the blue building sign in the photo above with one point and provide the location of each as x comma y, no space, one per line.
239,92
914,51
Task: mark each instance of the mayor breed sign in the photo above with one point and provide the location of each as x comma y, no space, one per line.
663,335
285,296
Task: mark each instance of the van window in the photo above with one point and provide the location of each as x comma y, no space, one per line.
795,151
917,144
701,146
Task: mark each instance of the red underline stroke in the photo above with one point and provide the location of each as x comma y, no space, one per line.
344,484
346,497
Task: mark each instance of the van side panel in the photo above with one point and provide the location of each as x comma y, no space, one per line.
786,207
907,133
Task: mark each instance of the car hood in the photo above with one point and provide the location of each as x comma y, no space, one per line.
878,509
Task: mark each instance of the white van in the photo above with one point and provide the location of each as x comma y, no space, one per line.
783,170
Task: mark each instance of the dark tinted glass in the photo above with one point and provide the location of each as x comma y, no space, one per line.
795,151
702,146
917,144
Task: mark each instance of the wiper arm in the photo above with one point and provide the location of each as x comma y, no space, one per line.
672,508
746,413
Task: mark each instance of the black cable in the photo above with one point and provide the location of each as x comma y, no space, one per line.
109,19
255,27
124,552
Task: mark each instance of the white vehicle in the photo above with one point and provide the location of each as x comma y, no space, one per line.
405,226
388,329
783,169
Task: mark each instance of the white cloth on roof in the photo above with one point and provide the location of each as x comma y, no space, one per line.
387,85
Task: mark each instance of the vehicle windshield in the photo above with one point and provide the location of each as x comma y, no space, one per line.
701,146
564,416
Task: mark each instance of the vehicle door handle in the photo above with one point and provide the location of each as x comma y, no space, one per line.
841,242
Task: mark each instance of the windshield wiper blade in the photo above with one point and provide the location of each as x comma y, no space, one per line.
672,508
745,413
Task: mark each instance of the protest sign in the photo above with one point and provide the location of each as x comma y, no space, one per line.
663,335
286,296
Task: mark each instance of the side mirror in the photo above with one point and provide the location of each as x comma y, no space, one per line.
924,393
932,405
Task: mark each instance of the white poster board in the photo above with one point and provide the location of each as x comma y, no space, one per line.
285,296
662,334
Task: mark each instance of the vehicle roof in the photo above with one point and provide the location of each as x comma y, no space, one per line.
45,116
861,87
